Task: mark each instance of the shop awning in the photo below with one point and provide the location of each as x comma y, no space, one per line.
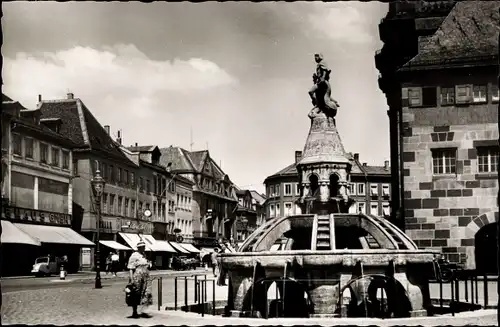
163,246
115,245
178,247
54,234
189,247
13,235
133,239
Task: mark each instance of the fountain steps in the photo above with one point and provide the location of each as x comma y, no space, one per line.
399,241
323,234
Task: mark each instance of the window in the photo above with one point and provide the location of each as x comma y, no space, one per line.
361,189
65,159
277,189
271,210
112,204
447,96
362,207
75,167
127,209
271,190
464,93
429,97
148,206
374,209
351,187
44,153
140,208
28,145
120,202
111,174
154,209
133,209
119,175
386,208
132,178
374,189
495,94
125,177
415,97
288,189
141,184
443,161
479,94
288,209
297,189
155,185
104,203
278,210
104,170
148,186
385,189
487,160
17,142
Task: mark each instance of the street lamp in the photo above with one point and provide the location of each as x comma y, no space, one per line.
98,187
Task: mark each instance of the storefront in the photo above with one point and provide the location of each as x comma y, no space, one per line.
28,234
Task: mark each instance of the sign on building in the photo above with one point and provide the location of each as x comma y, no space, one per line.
24,215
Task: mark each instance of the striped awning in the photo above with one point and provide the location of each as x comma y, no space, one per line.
189,247
115,245
133,239
179,247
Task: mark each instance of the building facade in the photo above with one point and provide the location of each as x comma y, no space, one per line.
214,199
369,186
183,208
400,30
37,190
448,136
96,149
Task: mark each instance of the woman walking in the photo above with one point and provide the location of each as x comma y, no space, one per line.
138,267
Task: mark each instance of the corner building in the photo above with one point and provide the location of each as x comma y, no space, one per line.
449,148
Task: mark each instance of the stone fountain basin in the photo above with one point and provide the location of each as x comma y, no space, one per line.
347,258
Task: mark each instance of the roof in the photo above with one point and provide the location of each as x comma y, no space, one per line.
79,125
43,130
186,161
6,98
142,148
290,170
377,170
258,197
469,33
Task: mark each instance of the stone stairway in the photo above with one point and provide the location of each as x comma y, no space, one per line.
388,229
323,234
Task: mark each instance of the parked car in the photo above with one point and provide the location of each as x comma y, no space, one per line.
45,266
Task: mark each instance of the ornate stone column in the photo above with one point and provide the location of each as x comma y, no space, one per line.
324,191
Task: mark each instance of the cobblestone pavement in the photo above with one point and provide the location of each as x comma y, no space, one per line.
86,305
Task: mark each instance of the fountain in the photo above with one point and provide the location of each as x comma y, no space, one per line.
327,251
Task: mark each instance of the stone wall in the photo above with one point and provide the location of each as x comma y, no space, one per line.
446,211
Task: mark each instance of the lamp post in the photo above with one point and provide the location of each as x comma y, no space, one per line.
98,187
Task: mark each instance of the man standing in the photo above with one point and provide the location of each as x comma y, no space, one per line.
214,261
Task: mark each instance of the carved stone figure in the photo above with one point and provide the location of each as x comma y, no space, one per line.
321,90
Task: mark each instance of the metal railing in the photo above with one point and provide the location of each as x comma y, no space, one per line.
200,294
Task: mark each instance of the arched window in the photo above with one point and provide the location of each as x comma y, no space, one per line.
314,184
334,182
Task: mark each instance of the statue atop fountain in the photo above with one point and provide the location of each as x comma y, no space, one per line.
320,92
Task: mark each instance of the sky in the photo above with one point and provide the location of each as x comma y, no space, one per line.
231,77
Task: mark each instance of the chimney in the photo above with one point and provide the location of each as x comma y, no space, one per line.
136,144
119,138
356,156
39,98
298,156
70,96
386,165
364,164
106,127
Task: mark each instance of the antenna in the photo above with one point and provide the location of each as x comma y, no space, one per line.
207,145
191,144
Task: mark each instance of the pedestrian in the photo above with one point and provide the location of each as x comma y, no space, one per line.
140,281
222,272
214,261
108,263
115,262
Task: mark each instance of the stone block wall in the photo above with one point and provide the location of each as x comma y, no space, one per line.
446,211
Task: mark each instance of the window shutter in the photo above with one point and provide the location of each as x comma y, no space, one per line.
463,93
